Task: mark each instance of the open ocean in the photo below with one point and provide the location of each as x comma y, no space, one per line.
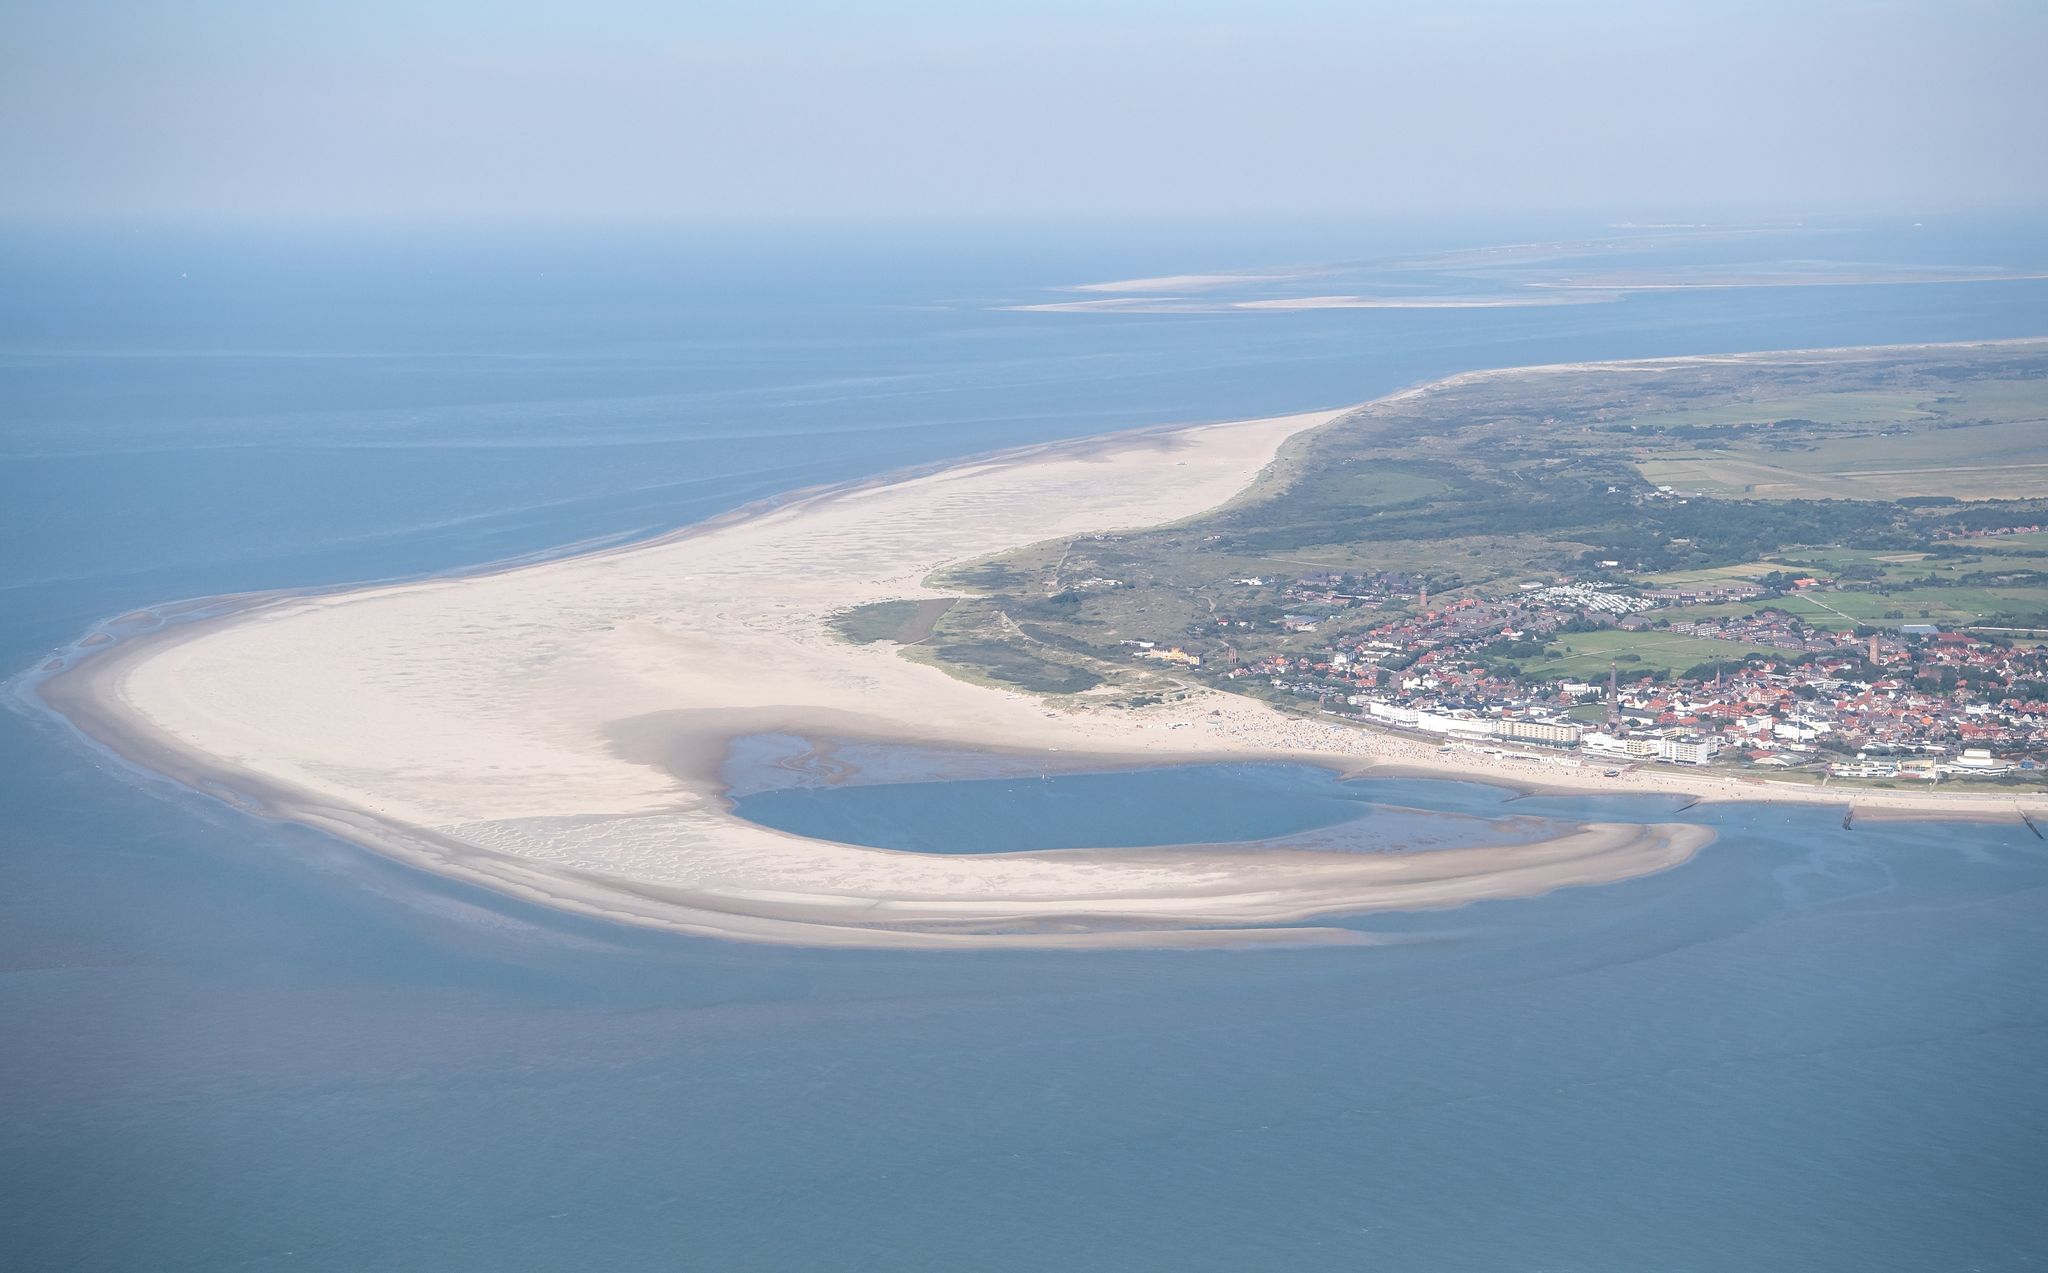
236,1046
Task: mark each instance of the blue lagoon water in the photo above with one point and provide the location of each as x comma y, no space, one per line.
230,1045
1276,805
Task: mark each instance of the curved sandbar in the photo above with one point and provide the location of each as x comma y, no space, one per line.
552,730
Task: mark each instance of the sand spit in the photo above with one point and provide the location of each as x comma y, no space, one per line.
1196,305
553,730
1196,282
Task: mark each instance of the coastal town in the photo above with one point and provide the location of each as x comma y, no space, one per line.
1552,667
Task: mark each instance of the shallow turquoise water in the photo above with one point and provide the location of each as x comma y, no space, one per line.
235,1046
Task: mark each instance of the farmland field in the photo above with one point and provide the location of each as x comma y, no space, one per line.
1946,606
1842,610
1847,407
1984,441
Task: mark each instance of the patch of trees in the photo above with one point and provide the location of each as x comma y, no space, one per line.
1995,514
1513,649
1724,532
2001,579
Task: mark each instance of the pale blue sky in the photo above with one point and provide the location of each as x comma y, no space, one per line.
380,109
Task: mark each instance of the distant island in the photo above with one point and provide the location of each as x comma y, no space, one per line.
1608,577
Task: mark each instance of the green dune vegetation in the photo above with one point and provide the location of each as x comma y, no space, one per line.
1901,483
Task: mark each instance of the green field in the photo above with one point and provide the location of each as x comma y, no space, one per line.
1710,576
1978,562
1945,606
1985,466
1982,440
1841,611
1585,655
2036,542
1850,406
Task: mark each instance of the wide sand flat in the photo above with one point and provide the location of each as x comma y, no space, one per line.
553,730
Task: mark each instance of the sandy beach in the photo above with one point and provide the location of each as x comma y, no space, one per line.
554,730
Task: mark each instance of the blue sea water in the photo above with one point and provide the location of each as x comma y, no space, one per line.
230,1045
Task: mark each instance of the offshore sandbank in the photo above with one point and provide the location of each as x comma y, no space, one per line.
554,730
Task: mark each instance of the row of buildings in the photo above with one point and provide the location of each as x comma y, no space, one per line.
1912,703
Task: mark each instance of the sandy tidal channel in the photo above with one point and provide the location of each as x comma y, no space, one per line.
554,730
